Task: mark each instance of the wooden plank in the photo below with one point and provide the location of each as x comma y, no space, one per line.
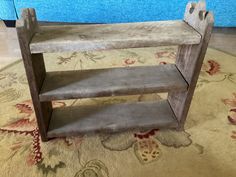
28,22
190,58
71,121
112,36
110,82
35,70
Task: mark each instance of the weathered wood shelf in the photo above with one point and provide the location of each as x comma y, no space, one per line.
112,36
111,118
179,79
111,82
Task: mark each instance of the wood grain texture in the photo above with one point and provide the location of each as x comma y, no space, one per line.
35,71
190,58
112,36
71,121
197,16
110,82
28,22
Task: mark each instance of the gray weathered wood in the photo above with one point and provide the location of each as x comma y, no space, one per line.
112,36
179,80
35,70
190,58
110,82
28,22
71,121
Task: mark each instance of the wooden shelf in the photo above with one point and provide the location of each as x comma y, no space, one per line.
112,36
112,81
179,80
71,121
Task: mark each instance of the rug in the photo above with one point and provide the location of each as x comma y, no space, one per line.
206,148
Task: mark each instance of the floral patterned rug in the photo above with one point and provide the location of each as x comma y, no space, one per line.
206,148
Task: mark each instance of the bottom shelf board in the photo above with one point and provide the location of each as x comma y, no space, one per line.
72,121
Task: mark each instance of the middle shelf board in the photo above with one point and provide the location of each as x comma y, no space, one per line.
72,121
111,82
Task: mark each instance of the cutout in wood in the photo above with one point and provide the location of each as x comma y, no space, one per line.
193,5
202,14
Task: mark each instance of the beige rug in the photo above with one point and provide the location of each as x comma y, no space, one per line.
207,147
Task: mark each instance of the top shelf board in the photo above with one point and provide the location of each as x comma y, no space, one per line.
112,36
